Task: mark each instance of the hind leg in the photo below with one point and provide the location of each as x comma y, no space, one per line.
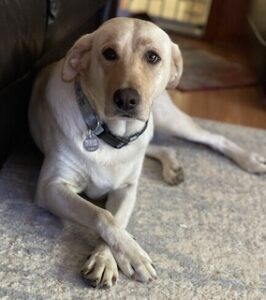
169,119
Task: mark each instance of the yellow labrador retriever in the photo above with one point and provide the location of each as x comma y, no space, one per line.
92,114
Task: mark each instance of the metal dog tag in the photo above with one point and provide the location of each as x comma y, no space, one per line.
91,142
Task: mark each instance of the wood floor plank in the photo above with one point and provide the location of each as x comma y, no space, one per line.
242,106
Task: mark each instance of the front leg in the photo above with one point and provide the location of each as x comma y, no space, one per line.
181,125
131,258
58,191
100,269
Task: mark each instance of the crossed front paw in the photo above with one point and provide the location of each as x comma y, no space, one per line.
100,270
132,260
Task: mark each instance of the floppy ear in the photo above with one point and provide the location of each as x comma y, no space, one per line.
176,67
75,61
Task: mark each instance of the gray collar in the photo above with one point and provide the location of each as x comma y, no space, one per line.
98,129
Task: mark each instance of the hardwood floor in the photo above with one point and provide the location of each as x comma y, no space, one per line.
243,106
237,106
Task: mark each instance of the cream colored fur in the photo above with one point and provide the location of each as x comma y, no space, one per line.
58,129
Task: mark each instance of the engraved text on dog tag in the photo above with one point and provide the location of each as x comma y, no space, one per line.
91,142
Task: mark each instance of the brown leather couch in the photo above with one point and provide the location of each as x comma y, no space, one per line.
34,33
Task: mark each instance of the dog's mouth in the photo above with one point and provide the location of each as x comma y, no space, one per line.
129,116
118,114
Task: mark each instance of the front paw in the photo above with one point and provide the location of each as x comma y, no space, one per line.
133,261
100,270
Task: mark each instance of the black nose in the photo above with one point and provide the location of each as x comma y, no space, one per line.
126,99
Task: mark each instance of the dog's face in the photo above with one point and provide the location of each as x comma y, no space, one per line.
124,64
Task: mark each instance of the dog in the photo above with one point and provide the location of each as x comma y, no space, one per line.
93,115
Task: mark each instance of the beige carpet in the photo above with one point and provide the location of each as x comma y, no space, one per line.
207,237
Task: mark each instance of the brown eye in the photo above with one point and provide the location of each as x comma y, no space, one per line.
110,54
152,57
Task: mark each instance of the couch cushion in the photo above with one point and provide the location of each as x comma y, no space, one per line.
67,21
22,29
64,20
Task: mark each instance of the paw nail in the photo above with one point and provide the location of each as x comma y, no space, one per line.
114,279
105,285
94,283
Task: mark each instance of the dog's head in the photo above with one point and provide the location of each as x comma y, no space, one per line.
124,65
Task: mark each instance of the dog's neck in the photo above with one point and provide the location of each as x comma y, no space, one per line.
117,132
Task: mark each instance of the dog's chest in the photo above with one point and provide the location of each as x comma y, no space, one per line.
107,174
101,180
